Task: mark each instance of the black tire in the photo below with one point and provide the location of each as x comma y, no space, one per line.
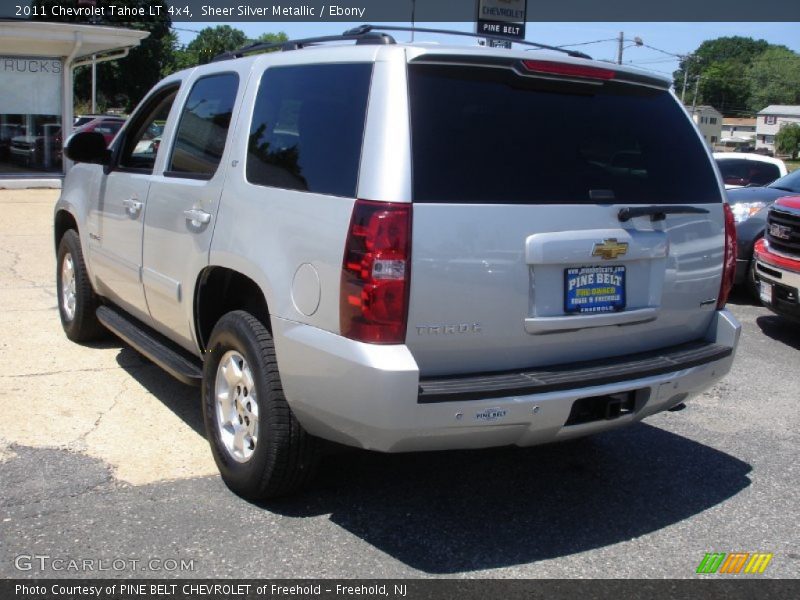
82,324
284,456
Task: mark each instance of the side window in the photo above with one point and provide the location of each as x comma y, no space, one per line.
140,145
308,126
203,127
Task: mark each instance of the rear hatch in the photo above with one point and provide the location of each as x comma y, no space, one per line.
561,214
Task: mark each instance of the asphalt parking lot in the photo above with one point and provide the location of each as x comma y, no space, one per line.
102,457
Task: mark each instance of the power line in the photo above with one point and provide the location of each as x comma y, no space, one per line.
655,61
681,56
586,43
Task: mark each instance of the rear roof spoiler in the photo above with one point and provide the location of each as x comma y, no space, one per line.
518,65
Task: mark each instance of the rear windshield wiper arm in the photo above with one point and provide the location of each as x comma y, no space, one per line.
657,213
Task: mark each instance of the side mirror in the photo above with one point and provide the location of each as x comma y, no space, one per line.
87,147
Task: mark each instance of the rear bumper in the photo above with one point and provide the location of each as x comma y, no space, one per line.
784,274
371,396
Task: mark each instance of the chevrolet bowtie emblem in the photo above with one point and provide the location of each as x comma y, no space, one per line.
610,249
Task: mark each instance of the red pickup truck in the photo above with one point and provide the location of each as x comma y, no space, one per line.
778,259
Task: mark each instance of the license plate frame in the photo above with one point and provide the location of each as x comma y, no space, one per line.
595,289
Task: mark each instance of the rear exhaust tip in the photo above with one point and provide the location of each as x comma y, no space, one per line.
677,402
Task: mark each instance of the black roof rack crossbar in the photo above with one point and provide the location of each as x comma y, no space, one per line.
365,29
359,38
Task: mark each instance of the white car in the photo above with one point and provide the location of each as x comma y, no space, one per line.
741,169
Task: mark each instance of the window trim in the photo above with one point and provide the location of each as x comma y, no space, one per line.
116,152
202,176
770,119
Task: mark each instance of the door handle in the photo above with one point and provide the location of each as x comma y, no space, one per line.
132,206
197,216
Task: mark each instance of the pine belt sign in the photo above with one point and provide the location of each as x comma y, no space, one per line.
502,18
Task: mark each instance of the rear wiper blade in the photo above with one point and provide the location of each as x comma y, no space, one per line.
657,213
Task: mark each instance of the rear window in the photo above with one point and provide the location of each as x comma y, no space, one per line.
489,136
307,128
739,171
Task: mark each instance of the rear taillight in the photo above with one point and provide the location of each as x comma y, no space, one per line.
375,273
729,264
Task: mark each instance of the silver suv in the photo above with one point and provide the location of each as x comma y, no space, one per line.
403,247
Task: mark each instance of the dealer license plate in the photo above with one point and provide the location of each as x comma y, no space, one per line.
594,289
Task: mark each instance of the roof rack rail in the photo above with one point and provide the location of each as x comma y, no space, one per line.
359,38
367,29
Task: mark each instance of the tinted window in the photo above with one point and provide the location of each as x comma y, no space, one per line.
739,171
307,129
139,148
489,136
203,127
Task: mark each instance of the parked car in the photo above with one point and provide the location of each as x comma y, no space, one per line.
81,120
742,170
750,206
764,151
7,133
43,150
105,126
778,259
289,264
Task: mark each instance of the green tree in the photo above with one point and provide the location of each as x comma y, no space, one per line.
273,38
210,42
720,86
774,78
787,140
721,64
124,82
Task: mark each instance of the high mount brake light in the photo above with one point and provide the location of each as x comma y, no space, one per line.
373,306
570,70
729,264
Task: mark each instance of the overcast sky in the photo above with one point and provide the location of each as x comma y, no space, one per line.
677,38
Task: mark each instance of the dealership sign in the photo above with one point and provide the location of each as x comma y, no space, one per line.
502,18
31,85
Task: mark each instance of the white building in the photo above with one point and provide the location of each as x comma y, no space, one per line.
738,131
709,121
37,60
770,120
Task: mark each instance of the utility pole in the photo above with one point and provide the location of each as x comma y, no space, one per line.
637,41
413,10
696,86
685,76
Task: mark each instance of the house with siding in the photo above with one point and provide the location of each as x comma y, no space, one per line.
738,130
709,121
770,120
